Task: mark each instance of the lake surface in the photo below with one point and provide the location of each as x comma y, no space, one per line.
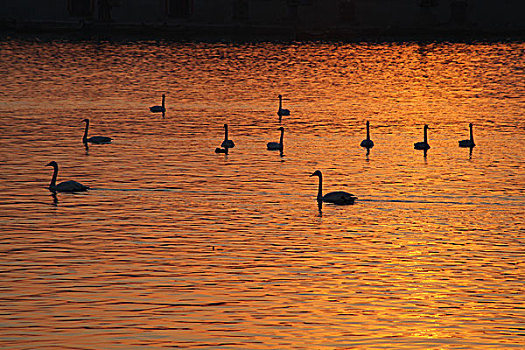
175,246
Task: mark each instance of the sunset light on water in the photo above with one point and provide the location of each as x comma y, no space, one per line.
175,246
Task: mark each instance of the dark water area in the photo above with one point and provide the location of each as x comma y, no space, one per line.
177,246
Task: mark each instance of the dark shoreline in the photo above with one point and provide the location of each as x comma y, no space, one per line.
246,33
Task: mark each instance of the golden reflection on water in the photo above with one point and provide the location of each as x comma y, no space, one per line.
178,246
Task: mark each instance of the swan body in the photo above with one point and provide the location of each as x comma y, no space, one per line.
272,146
159,109
367,143
282,111
221,150
424,144
94,139
227,143
66,186
337,197
470,142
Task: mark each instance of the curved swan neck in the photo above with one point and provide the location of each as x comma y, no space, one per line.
320,190
85,131
368,130
52,185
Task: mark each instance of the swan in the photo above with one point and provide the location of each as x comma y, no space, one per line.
94,139
159,109
227,143
470,142
338,197
423,145
367,142
221,150
272,146
282,111
66,186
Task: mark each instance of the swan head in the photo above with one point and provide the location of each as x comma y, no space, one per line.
281,128
52,163
280,96
317,173
425,127
470,125
86,120
367,123
226,126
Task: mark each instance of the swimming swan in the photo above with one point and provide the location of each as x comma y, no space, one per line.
282,111
159,109
94,139
66,186
227,143
367,143
423,145
338,197
470,142
272,146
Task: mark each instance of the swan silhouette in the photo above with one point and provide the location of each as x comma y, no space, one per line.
159,109
338,197
424,144
367,143
94,139
227,143
272,146
470,142
282,111
66,186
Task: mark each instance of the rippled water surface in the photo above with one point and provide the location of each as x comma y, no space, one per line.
178,247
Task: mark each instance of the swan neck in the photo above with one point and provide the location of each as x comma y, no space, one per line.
163,100
471,134
367,131
225,133
425,135
52,185
280,103
320,190
85,132
282,138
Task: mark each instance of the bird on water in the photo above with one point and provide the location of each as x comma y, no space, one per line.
424,144
470,142
227,143
273,146
159,109
94,139
367,143
337,197
66,186
282,111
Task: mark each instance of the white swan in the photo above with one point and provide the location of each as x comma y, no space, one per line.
272,146
94,139
470,142
227,143
423,145
159,109
66,186
367,143
282,111
338,197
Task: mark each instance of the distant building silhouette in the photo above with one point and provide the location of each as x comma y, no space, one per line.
487,16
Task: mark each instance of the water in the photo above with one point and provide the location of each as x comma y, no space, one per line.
176,246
